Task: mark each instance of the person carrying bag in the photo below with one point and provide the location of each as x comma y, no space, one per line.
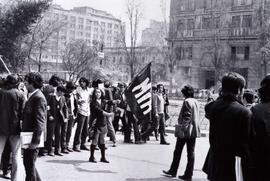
186,132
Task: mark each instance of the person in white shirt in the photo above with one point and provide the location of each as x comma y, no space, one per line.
83,97
159,109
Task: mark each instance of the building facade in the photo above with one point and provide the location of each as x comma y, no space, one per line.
210,37
95,27
144,55
155,34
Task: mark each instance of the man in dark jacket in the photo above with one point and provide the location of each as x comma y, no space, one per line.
261,122
189,117
230,131
34,120
11,104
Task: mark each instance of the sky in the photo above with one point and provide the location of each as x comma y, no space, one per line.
150,8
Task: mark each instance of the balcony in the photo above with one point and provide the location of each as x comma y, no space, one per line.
241,31
185,33
247,7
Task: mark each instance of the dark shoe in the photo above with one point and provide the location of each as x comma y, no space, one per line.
58,154
65,151
76,149
168,173
83,147
128,141
104,160
139,142
165,143
92,159
69,149
40,154
183,177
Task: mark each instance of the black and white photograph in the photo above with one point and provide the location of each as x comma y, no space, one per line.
135,90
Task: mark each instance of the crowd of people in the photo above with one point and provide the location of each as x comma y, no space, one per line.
239,124
238,136
51,111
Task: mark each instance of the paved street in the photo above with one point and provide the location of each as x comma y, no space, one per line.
128,162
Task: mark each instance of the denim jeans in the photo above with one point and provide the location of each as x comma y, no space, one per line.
111,131
15,144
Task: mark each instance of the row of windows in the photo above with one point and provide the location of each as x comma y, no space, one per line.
191,5
73,19
237,53
121,59
208,22
88,28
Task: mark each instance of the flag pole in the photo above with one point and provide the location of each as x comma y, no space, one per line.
5,66
151,94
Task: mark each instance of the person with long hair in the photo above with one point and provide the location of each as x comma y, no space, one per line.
99,114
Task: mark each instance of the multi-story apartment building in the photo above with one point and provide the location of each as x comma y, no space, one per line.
210,37
80,23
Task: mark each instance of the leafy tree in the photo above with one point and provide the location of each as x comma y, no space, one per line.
15,23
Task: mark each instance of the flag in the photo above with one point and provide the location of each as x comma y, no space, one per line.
138,94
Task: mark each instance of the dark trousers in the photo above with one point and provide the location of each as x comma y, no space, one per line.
116,123
161,122
70,125
131,122
153,127
81,131
177,156
29,160
64,135
53,130
5,160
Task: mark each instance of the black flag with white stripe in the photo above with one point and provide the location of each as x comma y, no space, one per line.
138,94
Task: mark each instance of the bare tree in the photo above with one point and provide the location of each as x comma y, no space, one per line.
134,14
77,58
263,31
168,53
39,40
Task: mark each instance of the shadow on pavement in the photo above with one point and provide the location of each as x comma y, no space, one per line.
163,179
77,163
68,162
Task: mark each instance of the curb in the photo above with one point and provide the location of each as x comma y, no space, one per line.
170,130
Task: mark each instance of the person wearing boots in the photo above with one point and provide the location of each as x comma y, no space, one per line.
97,108
189,115
159,106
